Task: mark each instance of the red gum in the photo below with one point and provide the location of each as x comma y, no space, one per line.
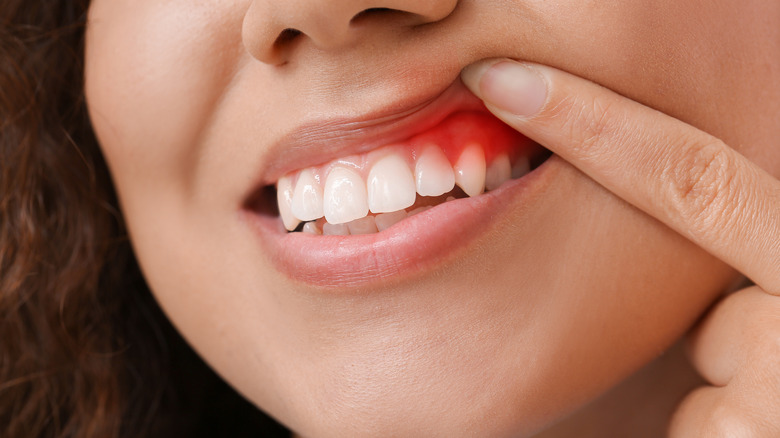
452,135
461,129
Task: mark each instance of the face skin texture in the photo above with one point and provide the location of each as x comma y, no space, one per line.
563,297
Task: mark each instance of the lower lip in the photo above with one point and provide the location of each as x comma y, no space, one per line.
418,244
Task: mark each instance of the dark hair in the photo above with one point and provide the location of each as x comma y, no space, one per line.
84,349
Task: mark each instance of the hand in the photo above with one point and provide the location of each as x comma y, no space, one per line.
698,186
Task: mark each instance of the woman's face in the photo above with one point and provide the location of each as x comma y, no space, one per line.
498,313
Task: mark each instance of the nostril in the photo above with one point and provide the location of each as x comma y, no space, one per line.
408,13
374,13
286,36
273,30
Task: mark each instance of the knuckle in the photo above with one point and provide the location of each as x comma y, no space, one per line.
720,412
729,418
757,319
702,183
705,412
728,423
765,331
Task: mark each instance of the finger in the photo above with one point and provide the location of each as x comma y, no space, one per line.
737,349
684,177
723,413
741,334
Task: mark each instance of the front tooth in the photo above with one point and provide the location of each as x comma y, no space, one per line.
433,172
365,225
284,198
522,166
345,197
470,170
500,171
390,185
387,220
329,229
307,198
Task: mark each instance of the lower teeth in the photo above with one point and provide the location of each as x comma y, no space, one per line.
376,223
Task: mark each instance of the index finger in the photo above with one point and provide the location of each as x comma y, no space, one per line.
686,178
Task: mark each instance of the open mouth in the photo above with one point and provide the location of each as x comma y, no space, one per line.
358,210
467,154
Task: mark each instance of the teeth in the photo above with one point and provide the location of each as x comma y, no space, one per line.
390,185
329,229
387,220
433,172
345,197
307,198
284,198
364,225
311,228
500,171
521,167
470,170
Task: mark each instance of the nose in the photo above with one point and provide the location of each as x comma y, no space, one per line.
272,27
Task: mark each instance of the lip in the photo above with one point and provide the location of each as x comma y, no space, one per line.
317,142
415,245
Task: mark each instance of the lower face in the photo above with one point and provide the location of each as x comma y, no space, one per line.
490,315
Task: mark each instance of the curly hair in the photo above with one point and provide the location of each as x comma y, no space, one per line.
84,350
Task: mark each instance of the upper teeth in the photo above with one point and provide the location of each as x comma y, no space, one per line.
344,196
344,192
307,197
390,185
470,170
499,171
433,172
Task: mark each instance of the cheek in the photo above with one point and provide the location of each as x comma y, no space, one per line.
154,73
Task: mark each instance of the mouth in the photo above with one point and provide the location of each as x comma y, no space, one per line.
378,210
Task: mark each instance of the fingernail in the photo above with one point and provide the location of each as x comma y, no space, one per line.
508,85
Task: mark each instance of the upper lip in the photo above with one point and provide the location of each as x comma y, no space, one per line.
315,143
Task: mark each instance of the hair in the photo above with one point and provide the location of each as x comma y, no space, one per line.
84,349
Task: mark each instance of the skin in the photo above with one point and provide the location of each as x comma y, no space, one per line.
534,320
692,182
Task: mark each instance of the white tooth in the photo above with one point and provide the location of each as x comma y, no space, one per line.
419,210
390,185
345,197
470,170
364,225
500,171
311,228
450,198
329,229
284,197
521,167
307,198
433,172
387,220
